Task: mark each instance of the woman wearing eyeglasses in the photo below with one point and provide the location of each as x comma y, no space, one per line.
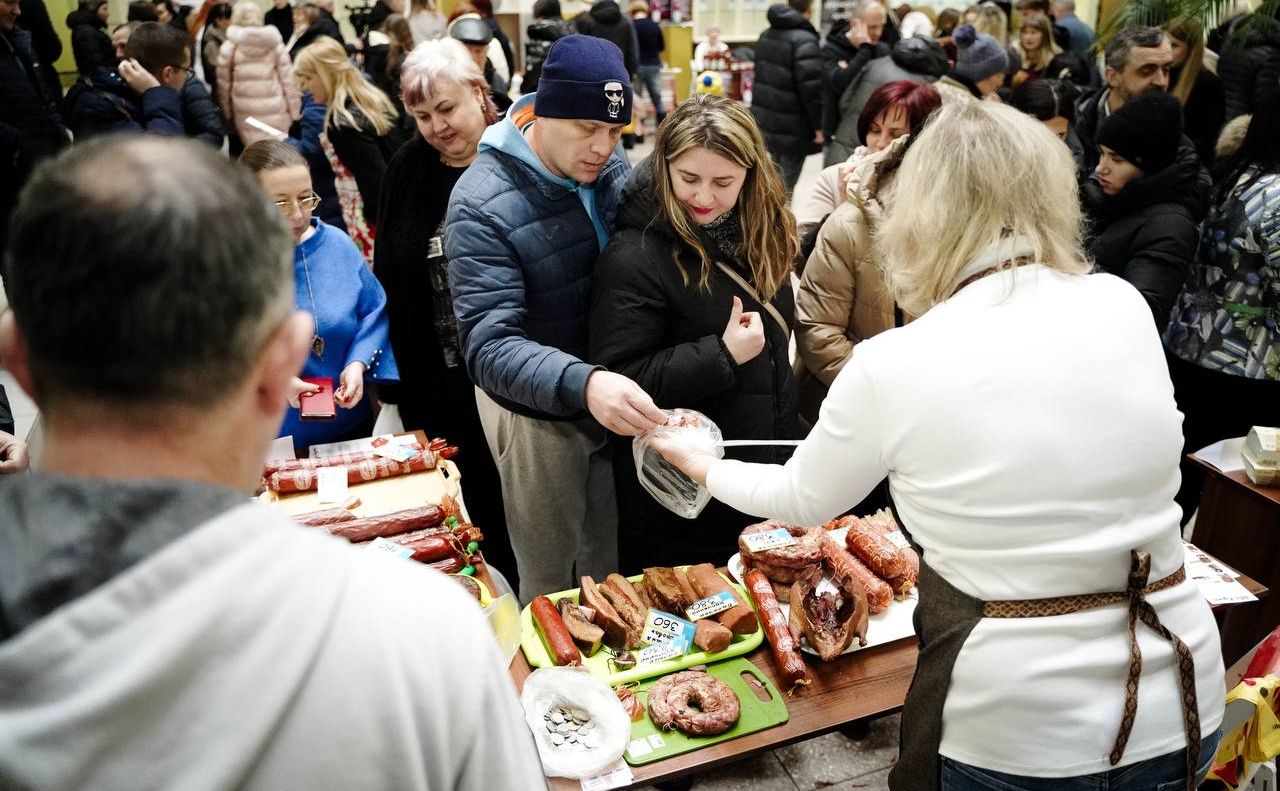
333,284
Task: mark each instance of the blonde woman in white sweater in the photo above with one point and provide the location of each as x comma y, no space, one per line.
255,76
1027,426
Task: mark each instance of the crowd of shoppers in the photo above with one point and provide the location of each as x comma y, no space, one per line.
496,268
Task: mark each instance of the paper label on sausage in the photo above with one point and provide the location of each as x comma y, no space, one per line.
711,605
395,452
769,539
898,539
331,486
663,627
391,548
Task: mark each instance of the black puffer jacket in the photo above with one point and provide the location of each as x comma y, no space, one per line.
90,43
647,324
539,36
605,20
201,118
836,77
1204,113
1250,67
1147,234
787,93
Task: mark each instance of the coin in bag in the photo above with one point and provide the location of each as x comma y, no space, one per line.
677,492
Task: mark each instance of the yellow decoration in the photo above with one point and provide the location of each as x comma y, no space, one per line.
1257,740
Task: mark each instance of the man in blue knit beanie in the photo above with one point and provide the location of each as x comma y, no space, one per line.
524,227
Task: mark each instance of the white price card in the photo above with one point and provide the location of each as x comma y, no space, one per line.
395,452
391,548
663,627
661,652
331,484
711,605
638,748
898,539
768,539
616,776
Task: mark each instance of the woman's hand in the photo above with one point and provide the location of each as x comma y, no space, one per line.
351,387
744,335
297,389
690,451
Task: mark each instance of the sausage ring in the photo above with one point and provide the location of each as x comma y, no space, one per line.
805,552
693,702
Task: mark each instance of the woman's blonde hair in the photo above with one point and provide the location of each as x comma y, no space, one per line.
1047,46
246,13
993,21
1190,32
443,60
327,60
724,127
978,174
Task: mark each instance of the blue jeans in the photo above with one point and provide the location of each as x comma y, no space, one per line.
1163,773
651,77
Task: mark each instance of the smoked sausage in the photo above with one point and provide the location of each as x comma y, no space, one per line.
555,635
843,564
874,549
786,653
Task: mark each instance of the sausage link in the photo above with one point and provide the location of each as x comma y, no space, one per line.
786,654
555,634
843,564
874,549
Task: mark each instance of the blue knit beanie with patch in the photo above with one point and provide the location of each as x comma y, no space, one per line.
584,77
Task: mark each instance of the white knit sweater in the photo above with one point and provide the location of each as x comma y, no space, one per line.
1028,429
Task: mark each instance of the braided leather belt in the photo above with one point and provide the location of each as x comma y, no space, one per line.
1139,609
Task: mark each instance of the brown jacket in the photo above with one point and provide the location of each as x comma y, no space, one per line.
843,298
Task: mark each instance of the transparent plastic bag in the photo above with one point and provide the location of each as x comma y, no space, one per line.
674,490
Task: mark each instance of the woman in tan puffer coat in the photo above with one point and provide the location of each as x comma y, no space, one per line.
843,299
255,76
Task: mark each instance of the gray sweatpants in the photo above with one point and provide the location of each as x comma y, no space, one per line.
557,486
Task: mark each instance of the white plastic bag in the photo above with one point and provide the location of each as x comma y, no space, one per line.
575,688
677,492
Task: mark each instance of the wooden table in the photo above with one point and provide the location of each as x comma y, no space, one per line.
868,683
1239,524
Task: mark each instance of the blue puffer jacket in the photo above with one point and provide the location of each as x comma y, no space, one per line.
522,244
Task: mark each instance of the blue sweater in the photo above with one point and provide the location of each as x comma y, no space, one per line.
351,316
522,244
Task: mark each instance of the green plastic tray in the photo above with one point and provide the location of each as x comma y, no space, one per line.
535,651
757,715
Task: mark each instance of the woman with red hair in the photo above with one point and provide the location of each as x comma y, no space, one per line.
892,110
843,299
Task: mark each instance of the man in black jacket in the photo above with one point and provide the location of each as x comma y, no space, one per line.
605,20
850,46
1250,62
787,95
281,17
30,127
141,94
1138,59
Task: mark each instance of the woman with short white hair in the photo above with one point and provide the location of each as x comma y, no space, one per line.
1032,455
255,77
446,95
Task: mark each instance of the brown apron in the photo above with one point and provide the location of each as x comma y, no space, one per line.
945,616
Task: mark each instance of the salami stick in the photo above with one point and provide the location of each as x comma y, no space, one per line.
328,516
371,470
786,654
355,457
555,633
843,564
391,524
874,549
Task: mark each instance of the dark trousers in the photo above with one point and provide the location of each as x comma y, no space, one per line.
790,163
6,413
1215,406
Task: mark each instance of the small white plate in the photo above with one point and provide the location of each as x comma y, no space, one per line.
895,623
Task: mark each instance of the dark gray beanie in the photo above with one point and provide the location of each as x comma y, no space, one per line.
978,55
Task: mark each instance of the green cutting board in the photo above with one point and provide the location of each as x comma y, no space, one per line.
757,715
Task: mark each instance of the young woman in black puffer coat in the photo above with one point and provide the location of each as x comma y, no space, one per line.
692,300
1145,200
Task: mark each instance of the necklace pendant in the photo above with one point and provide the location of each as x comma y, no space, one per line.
317,347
